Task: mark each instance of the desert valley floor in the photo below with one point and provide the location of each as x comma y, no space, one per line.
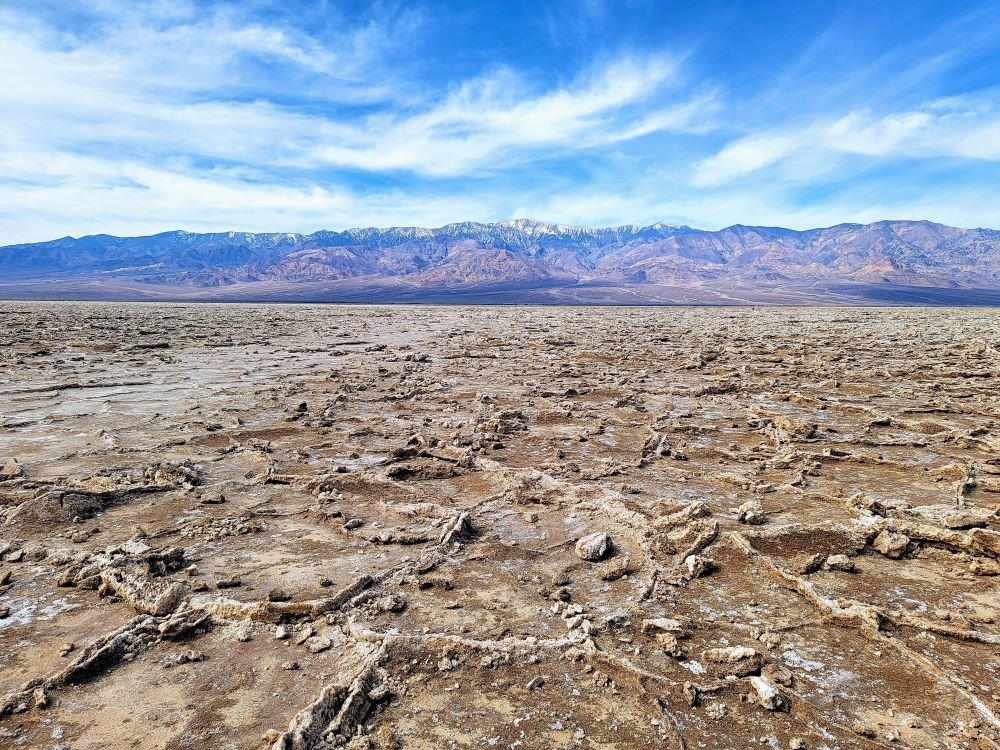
284,526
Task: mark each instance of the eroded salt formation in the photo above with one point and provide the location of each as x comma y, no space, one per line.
426,527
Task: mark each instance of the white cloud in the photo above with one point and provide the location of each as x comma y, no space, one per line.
85,195
146,89
144,121
649,201
959,127
744,156
167,115
180,48
494,119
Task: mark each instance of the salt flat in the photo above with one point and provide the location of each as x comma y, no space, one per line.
295,526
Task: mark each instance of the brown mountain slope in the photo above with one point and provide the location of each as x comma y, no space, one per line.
739,261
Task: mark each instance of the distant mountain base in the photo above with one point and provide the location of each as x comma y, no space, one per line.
524,262
355,291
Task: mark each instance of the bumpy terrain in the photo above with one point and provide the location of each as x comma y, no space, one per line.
299,527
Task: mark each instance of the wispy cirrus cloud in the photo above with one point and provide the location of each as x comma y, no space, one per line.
491,120
182,48
499,115
147,109
297,115
962,127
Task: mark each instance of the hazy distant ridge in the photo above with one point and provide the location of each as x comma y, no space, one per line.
525,253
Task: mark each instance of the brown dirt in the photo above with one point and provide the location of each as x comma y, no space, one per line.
398,491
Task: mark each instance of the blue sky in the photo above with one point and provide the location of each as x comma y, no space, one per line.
127,117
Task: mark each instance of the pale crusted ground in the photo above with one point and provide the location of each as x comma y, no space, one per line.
308,526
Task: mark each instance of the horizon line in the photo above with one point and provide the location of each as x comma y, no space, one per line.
509,222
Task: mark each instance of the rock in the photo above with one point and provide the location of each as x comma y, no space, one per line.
793,428
290,666
318,644
281,633
35,553
965,520
66,649
593,547
981,566
183,623
305,635
777,674
229,583
891,544
243,632
766,694
12,469
39,698
662,624
184,657
729,654
390,603
670,645
734,660
841,563
698,566
864,729
615,569
751,512
278,595
535,683
561,594
770,639
986,541
88,582
422,470
809,563
155,596
4,612
796,743
692,693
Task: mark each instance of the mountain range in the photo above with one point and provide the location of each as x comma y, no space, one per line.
523,261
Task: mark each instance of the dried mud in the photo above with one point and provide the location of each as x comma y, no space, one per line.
299,527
